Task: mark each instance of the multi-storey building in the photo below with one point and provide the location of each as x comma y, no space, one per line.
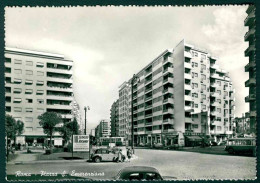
103,129
114,119
181,92
124,122
77,115
251,66
242,124
37,82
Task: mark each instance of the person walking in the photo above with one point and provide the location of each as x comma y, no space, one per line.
129,154
119,158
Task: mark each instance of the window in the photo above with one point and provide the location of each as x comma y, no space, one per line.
195,126
192,64
40,110
195,85
28,82
39,73
28,100
203,87
203,76
219,83
219,110
28,129
17,61
17,90
17,100
17,109
203,96
17,81
29,110
203,107
203,66
218,128
29,72
28,91
219,92
39,64
196,105
195,54
203,57
196,64
40,83
18,71
29,63
39,92
219,101
40,101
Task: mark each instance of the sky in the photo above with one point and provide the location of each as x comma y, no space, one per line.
109,44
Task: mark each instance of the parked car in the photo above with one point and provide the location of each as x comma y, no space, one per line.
103,154
141,144
158,145
139,173
173,146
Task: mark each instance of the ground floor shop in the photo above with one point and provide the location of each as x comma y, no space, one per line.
39,140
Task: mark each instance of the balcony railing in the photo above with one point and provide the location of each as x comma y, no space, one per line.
249,33
250,81
249,66
249,49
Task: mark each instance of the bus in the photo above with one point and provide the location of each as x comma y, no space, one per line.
118,141
241,145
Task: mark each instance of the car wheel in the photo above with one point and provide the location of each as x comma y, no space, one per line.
97,159
231,151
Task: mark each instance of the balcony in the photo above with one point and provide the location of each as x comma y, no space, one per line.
214,132
60,71
168,110
188,108
250,82
168,60
168,130
59,97
188,120
187,54
249,50
252,113
148,115
214,85
214,94
213,122
148,124
214,113
188,97
53,88
187,65
214,103
250,97
168,70
157,131
214,66
61,80
147,81
249,19
187,87
58,106
148,98
148,106
249,66
187,76
168,100
249,34
214,75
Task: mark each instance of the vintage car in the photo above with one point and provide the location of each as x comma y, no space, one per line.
103,154
138,173
241,145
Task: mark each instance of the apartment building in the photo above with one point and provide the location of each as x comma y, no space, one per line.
242,124
77,115
114,119
251,66
182,94
36,82
124,111
103,129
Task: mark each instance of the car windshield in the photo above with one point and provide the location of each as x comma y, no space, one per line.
142,176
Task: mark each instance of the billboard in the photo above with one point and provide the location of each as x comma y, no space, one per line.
81,143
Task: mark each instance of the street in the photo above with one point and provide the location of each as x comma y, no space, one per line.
179,164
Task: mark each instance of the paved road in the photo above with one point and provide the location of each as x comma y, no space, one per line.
183,165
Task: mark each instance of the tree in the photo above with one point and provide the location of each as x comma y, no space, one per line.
69,129
48,121
13,127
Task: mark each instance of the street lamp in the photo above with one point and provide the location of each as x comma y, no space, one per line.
86,108
134,79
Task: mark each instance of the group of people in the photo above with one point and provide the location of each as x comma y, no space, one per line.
121,158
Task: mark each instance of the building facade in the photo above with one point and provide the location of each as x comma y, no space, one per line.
114,119
242,125
103,129
251,66
182,92
77,115
37,82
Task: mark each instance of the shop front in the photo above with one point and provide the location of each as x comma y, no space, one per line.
193,139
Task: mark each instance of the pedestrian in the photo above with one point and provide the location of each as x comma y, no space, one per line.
119,158
129,154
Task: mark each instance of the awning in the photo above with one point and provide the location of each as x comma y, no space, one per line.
194,138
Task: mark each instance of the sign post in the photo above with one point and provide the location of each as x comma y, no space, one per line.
80,143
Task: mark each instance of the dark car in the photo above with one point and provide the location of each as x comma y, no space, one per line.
138,173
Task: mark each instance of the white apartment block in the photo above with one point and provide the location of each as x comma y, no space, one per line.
103,129
36,82
182,92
